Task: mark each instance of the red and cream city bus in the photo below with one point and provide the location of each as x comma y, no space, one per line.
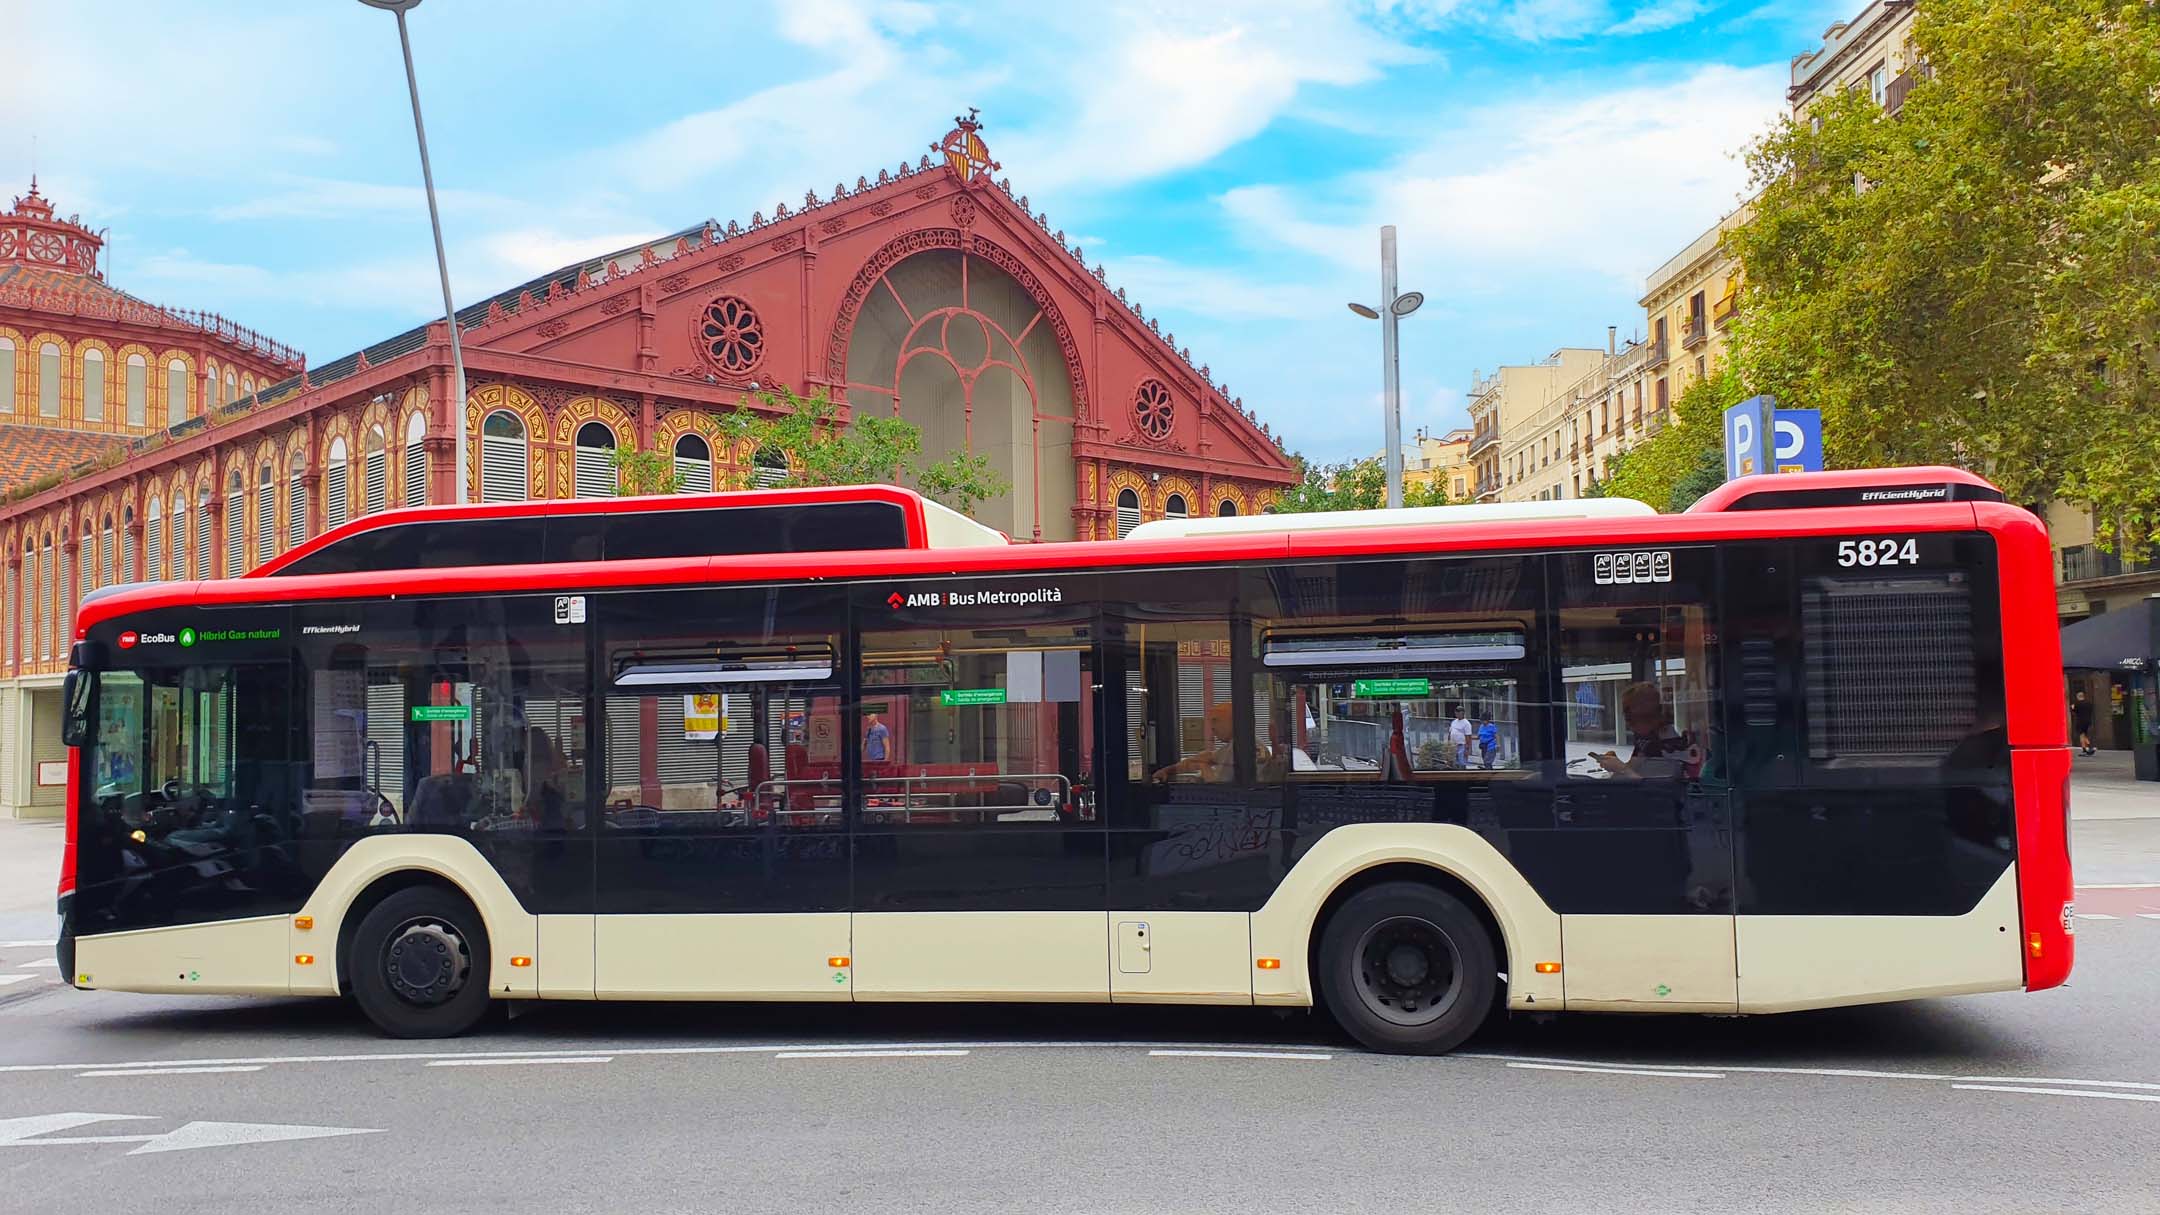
1798,747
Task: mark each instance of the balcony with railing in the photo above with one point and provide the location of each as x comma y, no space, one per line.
1695,334
2085,562
1485,435
1659,354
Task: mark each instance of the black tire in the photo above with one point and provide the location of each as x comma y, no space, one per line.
1408,969
419,964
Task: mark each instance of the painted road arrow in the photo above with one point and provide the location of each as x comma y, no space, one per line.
36,1131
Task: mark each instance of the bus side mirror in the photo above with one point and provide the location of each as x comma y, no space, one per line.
75,707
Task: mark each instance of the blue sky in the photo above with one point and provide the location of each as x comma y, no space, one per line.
1229,164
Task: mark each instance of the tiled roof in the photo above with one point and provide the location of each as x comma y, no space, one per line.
64,284
29,453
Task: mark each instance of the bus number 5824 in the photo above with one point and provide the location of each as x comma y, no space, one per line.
1886,551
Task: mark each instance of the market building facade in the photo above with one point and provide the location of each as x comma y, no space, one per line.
931,291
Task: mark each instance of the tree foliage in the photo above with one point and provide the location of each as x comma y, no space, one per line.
1352,485
638,471
1976,279
1684,461
872,447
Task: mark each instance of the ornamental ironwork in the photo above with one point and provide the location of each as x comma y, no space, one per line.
730,336
1154,413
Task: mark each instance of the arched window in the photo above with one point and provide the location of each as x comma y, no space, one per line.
768,467
48,598
235,525
176,393
334,487
93,385
265,513
7,393
377,471
106,555
593,475
296,520
179,535
1225,509
1128,512
203,568
247,386
503,471
8,598
127,544
232,387
138,390
1174,507
154,541
693,465
85,565
48,381
415,487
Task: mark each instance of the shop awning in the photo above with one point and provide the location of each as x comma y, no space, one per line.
2113,640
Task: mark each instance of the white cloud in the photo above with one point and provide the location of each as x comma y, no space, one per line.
326,198
1661,15
1609,184
1161,285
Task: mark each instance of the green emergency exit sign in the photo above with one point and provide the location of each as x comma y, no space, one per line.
950,697
442,712
1390,687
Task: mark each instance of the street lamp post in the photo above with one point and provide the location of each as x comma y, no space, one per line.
442,262
1392,308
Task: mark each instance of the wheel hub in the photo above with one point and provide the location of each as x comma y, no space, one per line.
1409,971
426,962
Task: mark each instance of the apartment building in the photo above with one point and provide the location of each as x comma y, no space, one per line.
1873,51
1442,460
1513,442
1689,304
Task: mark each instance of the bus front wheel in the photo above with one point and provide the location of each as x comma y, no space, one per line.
1407,968
419,964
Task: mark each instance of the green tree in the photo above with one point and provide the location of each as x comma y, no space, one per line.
872,447
1351,485
1976,279
638,471
1684,461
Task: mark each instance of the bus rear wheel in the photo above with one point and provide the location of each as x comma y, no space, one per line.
1407,968
419,964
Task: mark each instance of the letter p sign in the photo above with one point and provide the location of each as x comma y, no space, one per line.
1746,432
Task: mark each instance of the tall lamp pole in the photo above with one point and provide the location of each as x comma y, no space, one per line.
442,262
1392,308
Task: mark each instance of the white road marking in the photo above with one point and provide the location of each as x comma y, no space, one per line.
864,1054
2149,915
1237,1054
2120,886
41,963
172,1071
2056,1092
7,979
2056,1080
515,1062
2094,915
34,1132
1618,1071
1841,1072
27,944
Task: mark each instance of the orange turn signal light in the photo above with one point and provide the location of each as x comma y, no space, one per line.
2033,944
521,960
304,959
1269,963
837,961
1548,968
303,922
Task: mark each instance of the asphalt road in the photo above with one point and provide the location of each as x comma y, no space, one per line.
208,1104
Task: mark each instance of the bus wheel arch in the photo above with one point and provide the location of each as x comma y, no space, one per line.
373,894
417,959
1396,876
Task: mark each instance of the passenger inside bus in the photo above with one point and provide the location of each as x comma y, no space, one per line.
1661,752
1214,763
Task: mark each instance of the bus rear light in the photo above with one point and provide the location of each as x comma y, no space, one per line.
521,960
1548,968
838,961
2034,946
303,922
304,959
1269,963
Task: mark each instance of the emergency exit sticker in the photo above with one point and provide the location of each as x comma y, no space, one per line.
569,609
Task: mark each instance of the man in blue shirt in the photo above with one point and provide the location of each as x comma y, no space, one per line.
1488,740
876,737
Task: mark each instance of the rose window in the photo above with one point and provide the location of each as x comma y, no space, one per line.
45,247
731,335
7,243
1152,410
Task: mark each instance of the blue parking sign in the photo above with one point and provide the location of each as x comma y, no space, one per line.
1796,441
1747,431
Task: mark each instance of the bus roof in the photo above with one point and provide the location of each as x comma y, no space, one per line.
921,524
1409,516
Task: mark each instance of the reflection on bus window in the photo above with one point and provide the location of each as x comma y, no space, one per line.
1638,702
980,726
1396,706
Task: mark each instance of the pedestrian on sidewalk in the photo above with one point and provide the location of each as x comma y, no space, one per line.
2081,722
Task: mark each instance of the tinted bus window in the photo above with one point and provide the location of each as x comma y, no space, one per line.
437,545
